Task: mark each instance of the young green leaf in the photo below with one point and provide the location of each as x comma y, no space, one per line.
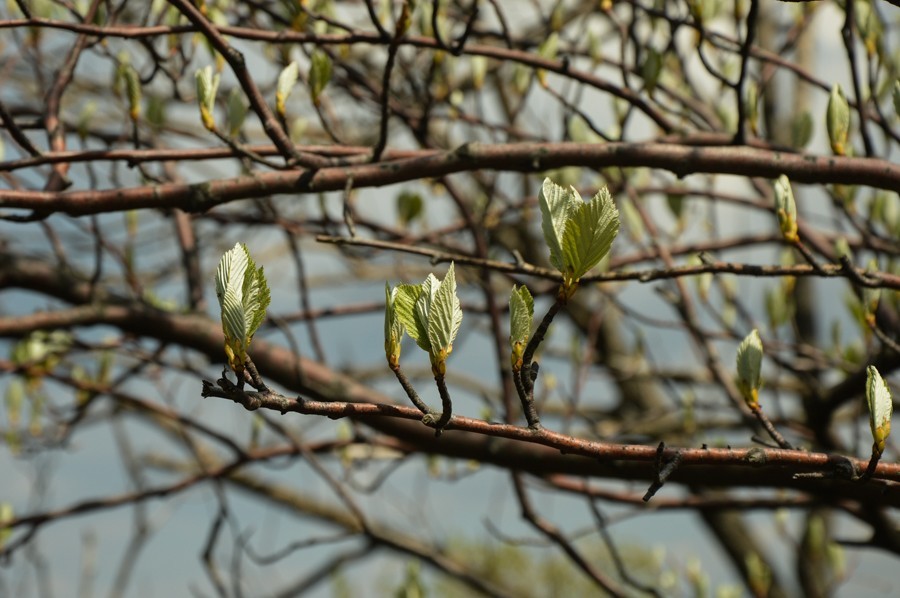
319,74
881,407
286,80
405,308
786,209
431,314
837,120
243,297
557,204
749,365
393,326
521,319
207,87
589,234
444,318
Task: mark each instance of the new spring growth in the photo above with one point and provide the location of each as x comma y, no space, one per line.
431,314
207,88
578,233
837,120
521,318
286,80
243,298
786,209
393,327
749,365
881,406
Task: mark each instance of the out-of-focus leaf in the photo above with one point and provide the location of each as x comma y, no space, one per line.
881,407
749,366
521,319
837,120
320,70
287,78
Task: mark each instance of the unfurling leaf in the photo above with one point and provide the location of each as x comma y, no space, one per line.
521,318
589,234
579,234
749,365
837,120
881,406
286,80
393,326
243,298
431,314
786,209
207,87
444,318
319,74
557,204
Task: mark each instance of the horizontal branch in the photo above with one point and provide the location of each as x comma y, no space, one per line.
519,157
330,393
860,276
798,461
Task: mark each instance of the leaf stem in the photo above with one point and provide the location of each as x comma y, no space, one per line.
410,391
770,428
527,399
447,404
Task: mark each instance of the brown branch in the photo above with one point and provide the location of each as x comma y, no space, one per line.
520,157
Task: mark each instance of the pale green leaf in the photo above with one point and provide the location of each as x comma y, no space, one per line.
256,298
589,234
444,316
286,80
243,295
557,204
837,120
207,88
786,208
393,326
749,366
230,291
881,406
405,306
521,314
